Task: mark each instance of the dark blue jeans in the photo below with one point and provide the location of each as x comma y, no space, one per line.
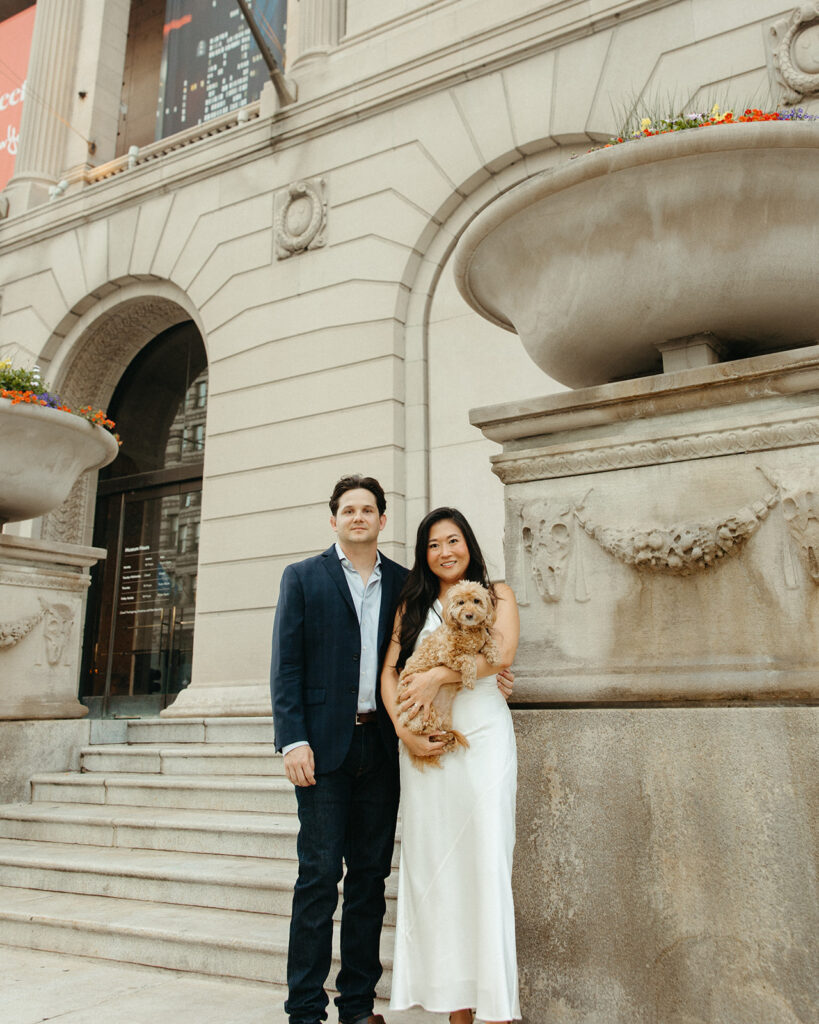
348,816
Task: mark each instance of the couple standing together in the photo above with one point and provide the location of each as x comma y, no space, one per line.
346,622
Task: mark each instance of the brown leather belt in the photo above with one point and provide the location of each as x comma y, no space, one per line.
365,717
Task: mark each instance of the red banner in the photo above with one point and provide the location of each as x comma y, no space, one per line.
15,44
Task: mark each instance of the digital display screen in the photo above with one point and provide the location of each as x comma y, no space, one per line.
210,62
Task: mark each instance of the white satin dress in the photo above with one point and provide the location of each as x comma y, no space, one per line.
455,931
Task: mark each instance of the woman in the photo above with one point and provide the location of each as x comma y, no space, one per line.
455,934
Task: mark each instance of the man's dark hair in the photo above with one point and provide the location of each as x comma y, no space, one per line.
353,483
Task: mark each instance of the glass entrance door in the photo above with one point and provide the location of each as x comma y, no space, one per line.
147,598
139,625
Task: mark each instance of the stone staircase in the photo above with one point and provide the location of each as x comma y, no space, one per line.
175,849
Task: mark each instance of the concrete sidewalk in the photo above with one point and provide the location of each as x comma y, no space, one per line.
56,987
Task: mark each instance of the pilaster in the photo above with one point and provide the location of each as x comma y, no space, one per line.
41,155
319,27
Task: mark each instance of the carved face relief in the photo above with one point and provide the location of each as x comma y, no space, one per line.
57,622
547,539
801,511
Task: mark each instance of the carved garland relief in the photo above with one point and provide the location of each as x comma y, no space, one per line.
794,49
548,541
57,619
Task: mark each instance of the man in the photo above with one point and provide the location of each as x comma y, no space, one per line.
332,627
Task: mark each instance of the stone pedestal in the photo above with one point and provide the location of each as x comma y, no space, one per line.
662,536
42,598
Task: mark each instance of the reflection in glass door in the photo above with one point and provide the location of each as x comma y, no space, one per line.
139,625
147,599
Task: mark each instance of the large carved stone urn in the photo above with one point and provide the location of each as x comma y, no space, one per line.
662,537
598,262
43,452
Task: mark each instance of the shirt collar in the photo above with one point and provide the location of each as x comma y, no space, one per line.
345,561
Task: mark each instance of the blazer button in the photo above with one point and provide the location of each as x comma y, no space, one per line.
353,690
355,657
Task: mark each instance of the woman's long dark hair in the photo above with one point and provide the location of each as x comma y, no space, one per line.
422,586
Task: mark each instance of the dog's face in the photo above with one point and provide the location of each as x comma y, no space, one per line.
468,605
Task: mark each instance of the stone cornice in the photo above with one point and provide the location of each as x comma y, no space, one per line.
582,458
486,52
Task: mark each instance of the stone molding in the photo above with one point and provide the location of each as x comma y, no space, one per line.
300,217
784,37
546,463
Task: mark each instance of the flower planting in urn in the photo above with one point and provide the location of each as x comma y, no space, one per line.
44,445
710,231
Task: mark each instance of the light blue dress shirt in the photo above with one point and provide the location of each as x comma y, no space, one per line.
367,604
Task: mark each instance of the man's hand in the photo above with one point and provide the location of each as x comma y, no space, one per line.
506,682
300,766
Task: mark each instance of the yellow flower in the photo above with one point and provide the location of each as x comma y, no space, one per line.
645,124
715,110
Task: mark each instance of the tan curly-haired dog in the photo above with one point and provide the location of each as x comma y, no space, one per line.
468,613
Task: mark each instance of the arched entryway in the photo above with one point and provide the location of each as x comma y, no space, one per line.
139,626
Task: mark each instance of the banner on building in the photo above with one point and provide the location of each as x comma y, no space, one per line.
15,45
210,62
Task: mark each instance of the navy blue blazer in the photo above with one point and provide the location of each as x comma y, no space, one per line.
316,650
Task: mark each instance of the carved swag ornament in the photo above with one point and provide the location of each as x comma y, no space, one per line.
681,548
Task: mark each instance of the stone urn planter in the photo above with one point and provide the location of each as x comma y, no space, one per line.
597,262
43,452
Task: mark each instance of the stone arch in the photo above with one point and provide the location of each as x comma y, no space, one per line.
435,245
85,358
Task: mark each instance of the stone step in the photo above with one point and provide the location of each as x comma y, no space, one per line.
184,759
241,834
253,884
218,792
225,943
201,730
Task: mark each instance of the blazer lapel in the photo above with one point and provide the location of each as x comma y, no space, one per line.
384,617
333,566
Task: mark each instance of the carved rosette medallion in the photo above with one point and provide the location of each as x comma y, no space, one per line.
300,217
682,548
794,52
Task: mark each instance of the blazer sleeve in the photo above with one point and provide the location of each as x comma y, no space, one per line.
287,663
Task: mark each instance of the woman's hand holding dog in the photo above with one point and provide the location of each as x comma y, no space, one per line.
420,746
422,689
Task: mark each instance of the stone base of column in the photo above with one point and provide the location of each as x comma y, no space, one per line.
26,193
249,699
42,591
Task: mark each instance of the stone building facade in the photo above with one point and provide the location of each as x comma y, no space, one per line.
309,245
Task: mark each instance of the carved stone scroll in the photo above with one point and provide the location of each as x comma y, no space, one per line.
681,548
794,52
